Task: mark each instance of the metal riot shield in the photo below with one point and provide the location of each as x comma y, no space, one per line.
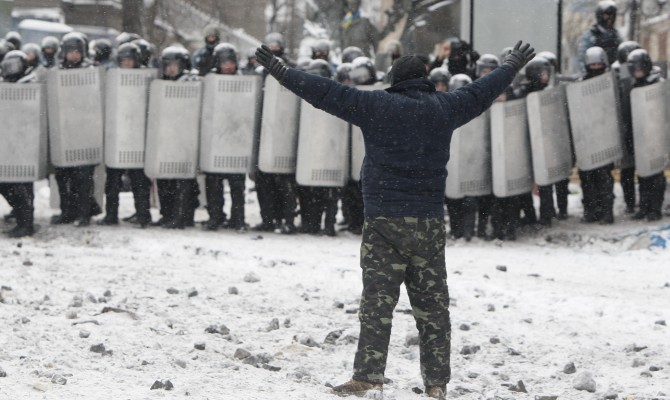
228,122
549,135
173,130
357,142
357,152
279,129
624,85
323,148
595,121
510,149
23,140
127,95
75,117
469,166
648,108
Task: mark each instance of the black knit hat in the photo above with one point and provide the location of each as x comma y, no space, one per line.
408,67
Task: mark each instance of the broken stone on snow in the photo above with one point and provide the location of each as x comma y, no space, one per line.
584,381
569,368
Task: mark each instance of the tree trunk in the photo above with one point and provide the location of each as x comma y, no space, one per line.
132,16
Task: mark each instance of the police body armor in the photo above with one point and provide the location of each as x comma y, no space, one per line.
23,141
229,120
595,122
75,117
648,108
277,152
173,130
323,149
510,149
549,135
469,166
127,95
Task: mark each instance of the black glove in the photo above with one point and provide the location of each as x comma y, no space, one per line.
519,56
273,64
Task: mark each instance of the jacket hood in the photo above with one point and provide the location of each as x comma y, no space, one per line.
418,84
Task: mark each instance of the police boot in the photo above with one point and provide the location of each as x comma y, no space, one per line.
468,225
109,220
607,214
644,204
214,195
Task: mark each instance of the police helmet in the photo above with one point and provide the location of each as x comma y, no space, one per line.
211,30
275,41
74,41
319,67
551,57
624,50
130,51
14,38
458,81
343,72
224,52
504,53
321,48
595,55
638,60
487,63
605,7
440,75
102,49
126,37
14,65
50,43
363,71
536,68
32,50
146,51
351,53
176,54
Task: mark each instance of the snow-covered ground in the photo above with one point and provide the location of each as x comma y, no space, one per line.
595,296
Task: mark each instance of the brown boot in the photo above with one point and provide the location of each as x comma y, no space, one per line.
437,392
357,388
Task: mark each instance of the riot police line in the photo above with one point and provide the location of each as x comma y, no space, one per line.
166,128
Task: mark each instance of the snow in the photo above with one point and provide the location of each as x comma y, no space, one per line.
590,295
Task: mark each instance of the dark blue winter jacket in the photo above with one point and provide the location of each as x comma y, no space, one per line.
407,130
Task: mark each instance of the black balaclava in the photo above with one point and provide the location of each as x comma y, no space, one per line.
408,67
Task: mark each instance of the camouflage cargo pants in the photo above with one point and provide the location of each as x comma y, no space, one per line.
409,250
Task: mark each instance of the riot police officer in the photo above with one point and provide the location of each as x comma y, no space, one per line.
102,53
146,53
538,74
32,52
50,47
351,53
129,57
454,206
318,201
226,63
14,38
625,83
276,192
20,196
440,78
602,34
75,184
597,184
250,67
203,59
652,188
178,197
